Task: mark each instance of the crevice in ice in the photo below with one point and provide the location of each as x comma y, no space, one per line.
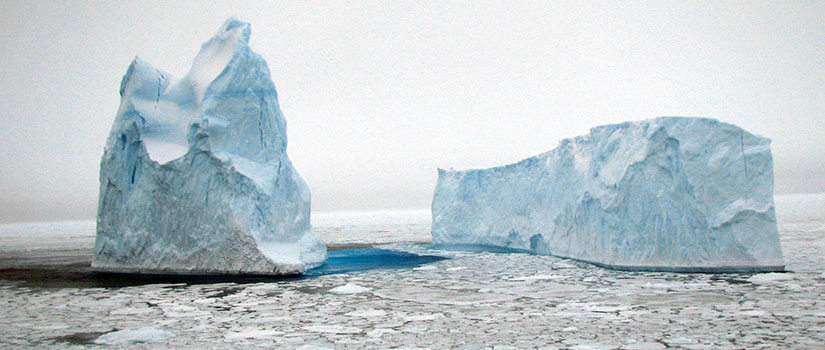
260,129
206,194
134,170
742,147
160,83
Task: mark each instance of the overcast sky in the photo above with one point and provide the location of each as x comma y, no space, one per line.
377,95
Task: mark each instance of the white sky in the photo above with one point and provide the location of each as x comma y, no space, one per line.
378,94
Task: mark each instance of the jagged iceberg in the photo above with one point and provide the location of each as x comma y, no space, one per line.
195,178
667,194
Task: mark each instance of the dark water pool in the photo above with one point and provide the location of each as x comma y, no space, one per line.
78,274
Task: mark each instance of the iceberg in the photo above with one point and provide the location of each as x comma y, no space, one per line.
666,194
195,178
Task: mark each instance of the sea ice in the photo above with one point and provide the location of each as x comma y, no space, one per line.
535,278
133,336
195,178
428,317
644,346
379,332
368,313
253,333
673,194
312,347
349,288
332,329
770,277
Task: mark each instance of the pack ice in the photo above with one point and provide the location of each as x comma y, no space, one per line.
667,194
195,178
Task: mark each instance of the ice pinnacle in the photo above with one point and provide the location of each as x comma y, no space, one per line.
195,178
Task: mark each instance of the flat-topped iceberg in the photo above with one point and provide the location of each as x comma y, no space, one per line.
669,194
195,178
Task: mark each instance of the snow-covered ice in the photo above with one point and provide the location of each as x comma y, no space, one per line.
134,336
332,329
666,194
770,277
195,178
349,288
253,333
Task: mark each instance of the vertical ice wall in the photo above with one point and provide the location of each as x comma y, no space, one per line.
676,194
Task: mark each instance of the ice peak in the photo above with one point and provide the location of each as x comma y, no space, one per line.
233,23
142,77
130,72
137,61
217,53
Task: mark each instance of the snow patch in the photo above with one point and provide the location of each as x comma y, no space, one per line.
349,288
253,334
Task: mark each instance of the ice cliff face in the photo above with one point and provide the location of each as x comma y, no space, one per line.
195,178
672,194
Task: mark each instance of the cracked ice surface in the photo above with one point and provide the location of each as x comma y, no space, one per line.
472,300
